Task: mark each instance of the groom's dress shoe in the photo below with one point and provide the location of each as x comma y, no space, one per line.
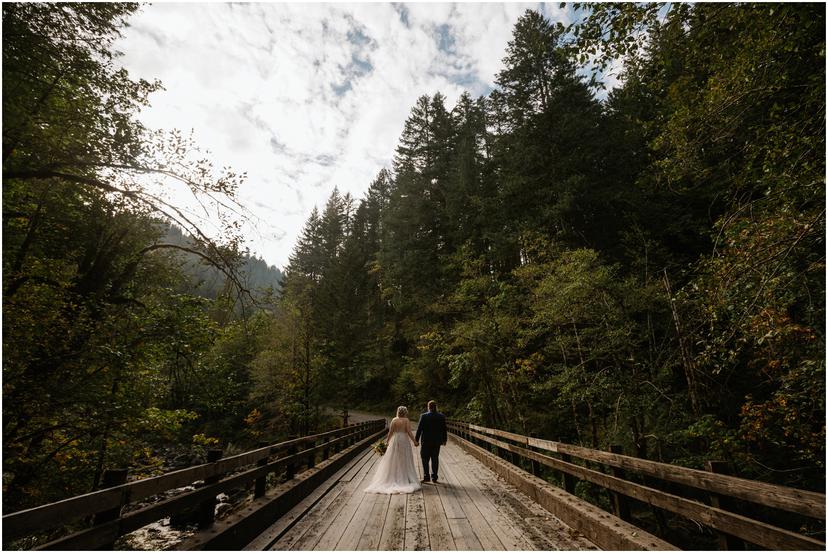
425,481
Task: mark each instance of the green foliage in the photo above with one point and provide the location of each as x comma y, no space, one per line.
106,354
645,271
165,424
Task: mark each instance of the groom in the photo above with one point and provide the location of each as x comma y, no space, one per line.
432,429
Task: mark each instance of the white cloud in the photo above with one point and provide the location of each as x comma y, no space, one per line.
308,97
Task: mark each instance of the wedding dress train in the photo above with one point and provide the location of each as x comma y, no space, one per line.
396,472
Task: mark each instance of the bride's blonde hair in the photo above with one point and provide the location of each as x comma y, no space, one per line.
402,411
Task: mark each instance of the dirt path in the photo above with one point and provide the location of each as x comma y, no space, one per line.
358,416
363,416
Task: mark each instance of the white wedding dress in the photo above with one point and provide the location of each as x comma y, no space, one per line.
396,472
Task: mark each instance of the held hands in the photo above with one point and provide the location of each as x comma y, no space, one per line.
416,443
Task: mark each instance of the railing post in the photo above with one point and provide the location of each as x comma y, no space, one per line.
537,468
207,510
568,479
326,452
290,467
505,454
261,482
111,478
726,541
312,455
619,501
502,452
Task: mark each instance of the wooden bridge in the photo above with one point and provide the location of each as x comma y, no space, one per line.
497,491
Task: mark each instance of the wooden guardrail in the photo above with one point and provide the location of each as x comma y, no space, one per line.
104,506
718,487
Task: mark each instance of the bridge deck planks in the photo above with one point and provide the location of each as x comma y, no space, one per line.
500,524
393,529
307,535
469,509
464,536
366,535
486,537
529,520
439,533
325,494
335,521
416,530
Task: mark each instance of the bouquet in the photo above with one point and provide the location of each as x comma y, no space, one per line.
380,447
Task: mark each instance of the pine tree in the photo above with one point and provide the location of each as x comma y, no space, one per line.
550,153
307,258
417,225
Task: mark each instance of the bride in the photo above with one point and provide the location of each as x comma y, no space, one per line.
396,472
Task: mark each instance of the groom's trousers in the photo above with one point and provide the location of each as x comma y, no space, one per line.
430,452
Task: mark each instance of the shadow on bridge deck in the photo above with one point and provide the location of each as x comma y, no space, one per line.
470,509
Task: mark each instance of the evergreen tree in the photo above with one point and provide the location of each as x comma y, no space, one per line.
417,226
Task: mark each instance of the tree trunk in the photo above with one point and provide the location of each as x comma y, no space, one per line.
689,364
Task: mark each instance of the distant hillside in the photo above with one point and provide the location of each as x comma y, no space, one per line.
208,281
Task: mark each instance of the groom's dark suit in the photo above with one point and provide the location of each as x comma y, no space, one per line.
432,429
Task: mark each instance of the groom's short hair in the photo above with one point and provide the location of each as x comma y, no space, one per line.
432,405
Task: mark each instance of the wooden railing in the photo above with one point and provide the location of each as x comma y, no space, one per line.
718,487
104,506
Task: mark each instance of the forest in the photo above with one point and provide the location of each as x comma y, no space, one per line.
644,267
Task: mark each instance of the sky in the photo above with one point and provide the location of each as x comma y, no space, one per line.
308,97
